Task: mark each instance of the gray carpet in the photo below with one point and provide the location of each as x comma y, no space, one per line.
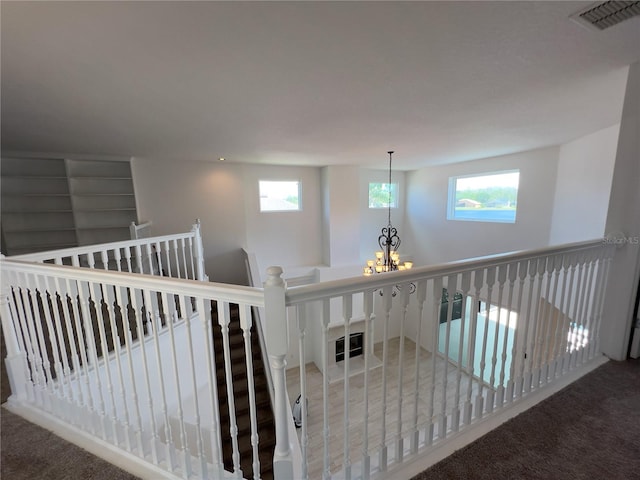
589,430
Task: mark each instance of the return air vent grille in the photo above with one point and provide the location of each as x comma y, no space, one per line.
600,16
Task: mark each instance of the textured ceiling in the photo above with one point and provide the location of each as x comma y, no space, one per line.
307,83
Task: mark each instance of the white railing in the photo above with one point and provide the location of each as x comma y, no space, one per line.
130,358
513,323
178,256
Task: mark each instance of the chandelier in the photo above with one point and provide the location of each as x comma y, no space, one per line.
387,258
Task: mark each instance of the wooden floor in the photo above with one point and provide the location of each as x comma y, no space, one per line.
382,429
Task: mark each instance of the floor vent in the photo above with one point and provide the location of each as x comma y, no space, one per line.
602,15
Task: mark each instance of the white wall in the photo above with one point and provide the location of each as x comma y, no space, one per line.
287,239
624,216
173,194
433,239
585,171
372,220
225,198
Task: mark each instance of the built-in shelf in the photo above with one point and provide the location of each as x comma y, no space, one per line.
50,203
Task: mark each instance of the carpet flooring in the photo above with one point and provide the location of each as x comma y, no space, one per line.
590,430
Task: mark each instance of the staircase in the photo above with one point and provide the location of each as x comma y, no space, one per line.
264,411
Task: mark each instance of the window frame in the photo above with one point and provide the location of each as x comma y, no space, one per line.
282,210
451,198
395,195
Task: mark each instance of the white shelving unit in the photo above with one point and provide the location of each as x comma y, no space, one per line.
50,203
104,203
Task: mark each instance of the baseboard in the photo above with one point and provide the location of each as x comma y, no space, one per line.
440,451
96,446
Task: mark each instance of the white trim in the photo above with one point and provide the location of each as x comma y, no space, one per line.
94,445
455,442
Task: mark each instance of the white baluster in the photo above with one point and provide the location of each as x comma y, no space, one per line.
368,345
246,322
84,298
104,348
54,337
502,277
481,403
118,258
478,282
198,252
386,301
347,312
551,319
104,257
136,303
404,299
465,286
529,339
169,444
185,457
567,320
36,322
326,318
587,309
184,258
575,327
452,289
512,274
436,300
111,304
421,295
16,361
128,340
194,386
301,314
127,256
174,247
223,321
57,303
514,385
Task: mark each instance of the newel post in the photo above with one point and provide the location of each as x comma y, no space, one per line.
277,340
15,361
199,252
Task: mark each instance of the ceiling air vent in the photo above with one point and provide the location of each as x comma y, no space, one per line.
602,15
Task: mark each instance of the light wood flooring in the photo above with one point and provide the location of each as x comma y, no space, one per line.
445,395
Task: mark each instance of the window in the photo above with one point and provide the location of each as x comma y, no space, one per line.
379,195
484,198
278,196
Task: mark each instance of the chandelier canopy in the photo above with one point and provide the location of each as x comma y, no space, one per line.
387,258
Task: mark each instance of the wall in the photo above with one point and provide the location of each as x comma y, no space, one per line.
224,196
433,239
287,239
585,171
624,216
174,194
374,219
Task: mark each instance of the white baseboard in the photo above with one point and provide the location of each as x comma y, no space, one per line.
456,441
98,447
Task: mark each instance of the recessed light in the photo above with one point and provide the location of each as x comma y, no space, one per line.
221,159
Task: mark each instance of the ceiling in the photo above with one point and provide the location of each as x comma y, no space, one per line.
307,83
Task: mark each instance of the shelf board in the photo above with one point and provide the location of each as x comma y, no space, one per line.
94,177
37,211
101,227
42,229
117,209
102,194
36,195
41,177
